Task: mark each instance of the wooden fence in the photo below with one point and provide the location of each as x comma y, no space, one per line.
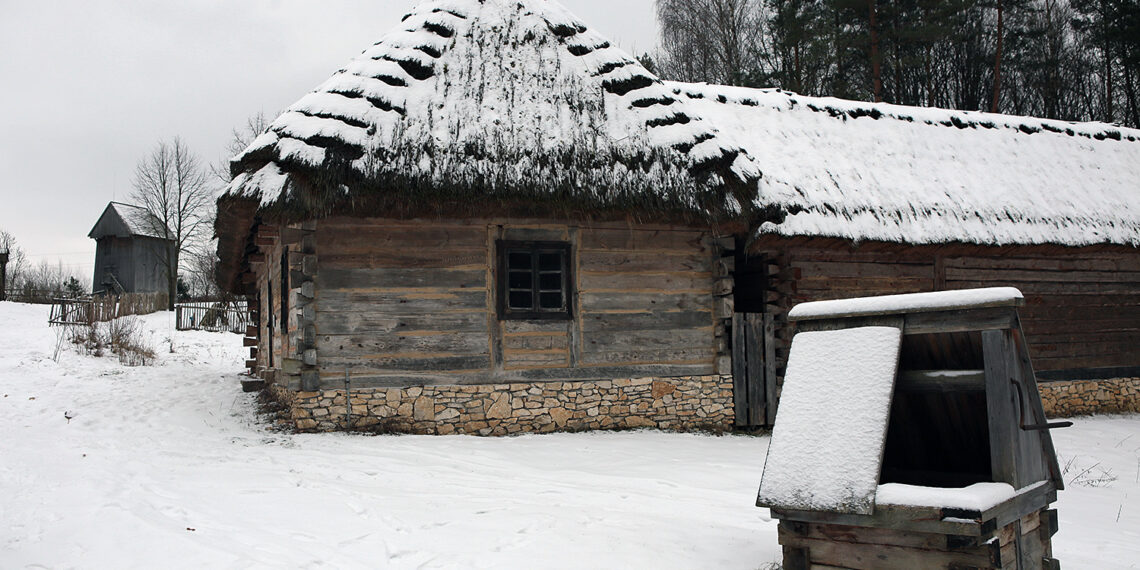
215,316
87,310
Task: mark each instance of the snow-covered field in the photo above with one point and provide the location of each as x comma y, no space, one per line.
168,466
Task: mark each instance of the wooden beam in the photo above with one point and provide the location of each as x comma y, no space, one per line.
941,380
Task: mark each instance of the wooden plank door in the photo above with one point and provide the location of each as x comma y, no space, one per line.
753,369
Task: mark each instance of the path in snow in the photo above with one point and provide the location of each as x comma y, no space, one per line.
168,465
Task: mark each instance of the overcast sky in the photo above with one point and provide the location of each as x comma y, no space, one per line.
87,88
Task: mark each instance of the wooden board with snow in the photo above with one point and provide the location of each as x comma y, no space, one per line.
827,443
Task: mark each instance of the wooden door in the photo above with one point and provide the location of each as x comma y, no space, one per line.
753,369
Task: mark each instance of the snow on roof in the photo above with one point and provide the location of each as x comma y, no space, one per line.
135,221
865,171
489,101
827,443
907,303
503,97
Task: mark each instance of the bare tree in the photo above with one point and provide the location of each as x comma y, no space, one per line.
240,139
710,40
15,263
172,186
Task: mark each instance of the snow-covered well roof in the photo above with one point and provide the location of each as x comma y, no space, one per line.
865,171
502,99
126,220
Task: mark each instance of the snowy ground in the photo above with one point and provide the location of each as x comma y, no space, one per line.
167,465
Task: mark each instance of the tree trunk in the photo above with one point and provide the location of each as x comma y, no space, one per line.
876,65
997,57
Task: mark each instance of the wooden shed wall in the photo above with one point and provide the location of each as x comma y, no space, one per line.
1082,309
414,302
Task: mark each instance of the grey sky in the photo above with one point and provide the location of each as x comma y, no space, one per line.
88,87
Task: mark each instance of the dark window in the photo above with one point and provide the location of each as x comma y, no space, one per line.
534,280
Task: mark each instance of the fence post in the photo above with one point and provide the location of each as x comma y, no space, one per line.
3,274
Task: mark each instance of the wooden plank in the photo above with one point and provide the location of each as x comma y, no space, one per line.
770,367
644,240
912,519
884,557
739,370
645,261
661,321
866,535
941,380
645,283
959,321
997,348
536,342
702,337
407,363
1024,276
406,258
1039,448
513,360
379,322
403,302
348,345
649,356
511,327
368,378
365,238
377,279
645,301
754,331
814,268
1076,262
1041,287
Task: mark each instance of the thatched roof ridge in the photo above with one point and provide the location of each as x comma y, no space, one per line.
513,101
879,172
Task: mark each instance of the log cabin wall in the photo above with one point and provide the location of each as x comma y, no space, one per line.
1082,312
409,311
404,303
277,325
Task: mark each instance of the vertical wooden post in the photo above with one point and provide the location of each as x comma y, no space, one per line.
754,323
3,275
770,368
997,346
739,370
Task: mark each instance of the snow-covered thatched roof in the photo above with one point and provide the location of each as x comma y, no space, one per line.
495,100
126,220
882,172
474,106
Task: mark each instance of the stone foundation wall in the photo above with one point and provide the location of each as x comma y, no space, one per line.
1082,397
698,402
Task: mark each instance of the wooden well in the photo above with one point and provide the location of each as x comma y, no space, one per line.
937,456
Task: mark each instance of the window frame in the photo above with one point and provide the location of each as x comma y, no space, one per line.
536,313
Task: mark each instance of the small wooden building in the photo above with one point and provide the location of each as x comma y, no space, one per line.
911,435
130,252
494,221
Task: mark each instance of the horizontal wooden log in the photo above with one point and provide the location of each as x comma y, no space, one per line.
642,262
1026,276
536,342
882,557
649,356
632,283
648,302
251,330
816,269
544,327
658,321
653,339
381,322
1052,287
249,341
395,364
375,279
1056,263
364,378
364,237
405,258
536,359
941,380
403,302
349,345
644,240
790,531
